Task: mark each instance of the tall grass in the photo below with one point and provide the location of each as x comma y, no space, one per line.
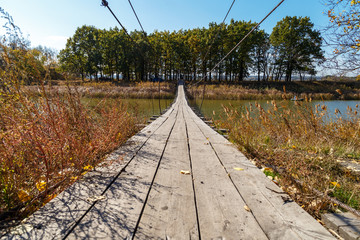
276,91
48,141
141,90
304,145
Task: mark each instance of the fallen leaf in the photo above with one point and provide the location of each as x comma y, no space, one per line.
73,178
185,172
238,169
247,208
95,198
335,184
49,198
23,196
88,168
41,186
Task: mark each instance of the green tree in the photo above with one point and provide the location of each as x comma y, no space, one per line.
239,61
298,45
155,54
141,57
83,53
193,43
259,53
73,59
215,36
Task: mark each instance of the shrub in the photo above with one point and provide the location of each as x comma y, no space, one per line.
48,141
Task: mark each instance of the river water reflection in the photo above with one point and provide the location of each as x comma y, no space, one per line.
214,108
145,108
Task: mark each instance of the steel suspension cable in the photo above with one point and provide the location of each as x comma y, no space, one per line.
159,87
218,32
236,46
212,43
136,16
105,3
246,36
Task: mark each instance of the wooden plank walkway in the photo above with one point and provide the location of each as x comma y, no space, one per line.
140,192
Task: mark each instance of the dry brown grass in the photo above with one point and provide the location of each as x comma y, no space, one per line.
278,91
304,145
46,143
140,90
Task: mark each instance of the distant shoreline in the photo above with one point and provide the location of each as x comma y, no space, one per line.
254,90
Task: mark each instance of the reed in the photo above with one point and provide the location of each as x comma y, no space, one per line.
278,91
304,145
142,90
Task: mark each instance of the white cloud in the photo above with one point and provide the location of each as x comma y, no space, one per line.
57,42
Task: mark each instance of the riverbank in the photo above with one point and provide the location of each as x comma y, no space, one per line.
253,90
300,149
141,90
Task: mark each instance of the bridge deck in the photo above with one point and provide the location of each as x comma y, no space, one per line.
140,192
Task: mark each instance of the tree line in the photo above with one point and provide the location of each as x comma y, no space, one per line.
294,47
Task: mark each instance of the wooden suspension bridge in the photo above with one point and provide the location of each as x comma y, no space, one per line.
175,179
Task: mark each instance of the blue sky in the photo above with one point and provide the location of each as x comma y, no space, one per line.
51,22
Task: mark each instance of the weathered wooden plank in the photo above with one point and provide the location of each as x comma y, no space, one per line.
278,219
170,210
116,216
55,219
221,210
347,225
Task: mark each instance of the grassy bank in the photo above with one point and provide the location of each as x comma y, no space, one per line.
142,90
316,90
301,149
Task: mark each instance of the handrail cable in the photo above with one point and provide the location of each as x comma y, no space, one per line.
105,3
236,46
253,29
218,32
212,43
147,39
136,17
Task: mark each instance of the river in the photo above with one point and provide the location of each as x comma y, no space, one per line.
214,108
